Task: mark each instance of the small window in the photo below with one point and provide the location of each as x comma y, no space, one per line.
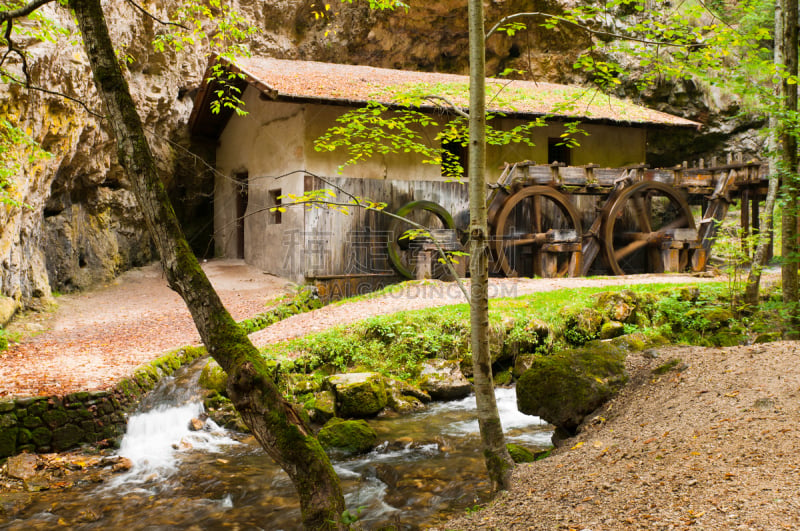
454,153
275,201
557,151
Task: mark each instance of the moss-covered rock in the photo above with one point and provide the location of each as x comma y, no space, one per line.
214,378
66,437
322,407
522,363
520,454
612,329
503,377
404,398
8,441
220,409
567,386
618,305
581,325
635,342
767,337
347,436
443,380
359,394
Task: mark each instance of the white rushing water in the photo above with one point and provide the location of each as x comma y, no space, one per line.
512,419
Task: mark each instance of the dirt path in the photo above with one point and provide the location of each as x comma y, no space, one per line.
96,338
714,446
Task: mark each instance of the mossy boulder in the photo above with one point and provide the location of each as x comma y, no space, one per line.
565,387
347,436
767,337
520,454
220,409
528,337
404,397
358,394
522,363
214,378
581,325
503,377
612,329
635,342
443,380
66,437
321,407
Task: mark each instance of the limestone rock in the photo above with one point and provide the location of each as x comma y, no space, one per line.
348,436
443,380
22,466
359,394
565,387
8,307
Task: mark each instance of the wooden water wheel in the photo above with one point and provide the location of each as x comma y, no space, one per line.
405,252
648,228
537,232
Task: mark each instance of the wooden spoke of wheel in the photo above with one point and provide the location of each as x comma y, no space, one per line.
638,198
398,253
539,224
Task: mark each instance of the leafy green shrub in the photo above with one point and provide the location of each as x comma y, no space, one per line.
3,339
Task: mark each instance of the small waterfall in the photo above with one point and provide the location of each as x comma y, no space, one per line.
162,427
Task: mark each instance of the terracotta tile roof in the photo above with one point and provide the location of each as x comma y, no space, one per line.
359,84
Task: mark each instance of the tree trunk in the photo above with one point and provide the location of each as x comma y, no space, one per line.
276,425
760,257
789,245
498,462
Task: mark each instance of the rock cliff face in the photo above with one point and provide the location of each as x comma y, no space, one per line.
83,227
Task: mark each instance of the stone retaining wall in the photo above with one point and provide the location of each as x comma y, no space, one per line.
58,423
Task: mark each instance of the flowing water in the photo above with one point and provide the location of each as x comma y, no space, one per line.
428,467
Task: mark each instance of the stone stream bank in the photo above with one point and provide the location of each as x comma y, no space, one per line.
57,423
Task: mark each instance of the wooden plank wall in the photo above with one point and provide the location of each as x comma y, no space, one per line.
355,244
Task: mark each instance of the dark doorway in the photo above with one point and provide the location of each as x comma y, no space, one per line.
241,210
557,151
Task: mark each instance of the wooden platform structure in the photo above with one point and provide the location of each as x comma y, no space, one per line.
557,220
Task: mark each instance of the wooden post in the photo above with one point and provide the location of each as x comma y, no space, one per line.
744,204
422,268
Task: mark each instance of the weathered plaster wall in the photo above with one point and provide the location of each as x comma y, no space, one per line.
267,143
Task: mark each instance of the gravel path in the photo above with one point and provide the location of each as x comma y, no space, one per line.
96,338
714,446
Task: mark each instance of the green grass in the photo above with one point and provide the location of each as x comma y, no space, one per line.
398,344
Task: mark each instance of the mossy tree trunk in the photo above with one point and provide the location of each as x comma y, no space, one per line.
787,41
276,425
498,461
764,243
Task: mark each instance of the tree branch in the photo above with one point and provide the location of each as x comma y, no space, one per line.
28,86
536,14
433,98
23,11
150,15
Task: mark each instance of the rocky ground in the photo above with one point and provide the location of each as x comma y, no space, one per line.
712,444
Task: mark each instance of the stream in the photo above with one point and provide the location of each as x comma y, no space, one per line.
428,467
